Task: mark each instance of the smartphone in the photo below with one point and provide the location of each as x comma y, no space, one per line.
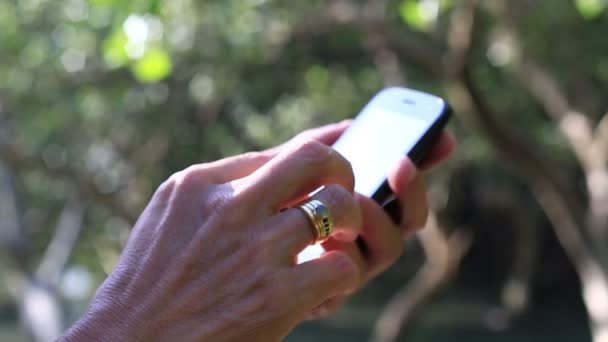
396,122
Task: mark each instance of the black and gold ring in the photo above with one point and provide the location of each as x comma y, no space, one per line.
320,218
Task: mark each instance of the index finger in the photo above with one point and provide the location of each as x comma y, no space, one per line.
242,165
295,172
327,134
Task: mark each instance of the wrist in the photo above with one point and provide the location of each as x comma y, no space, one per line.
102,324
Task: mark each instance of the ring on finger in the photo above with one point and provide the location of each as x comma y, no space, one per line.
320,218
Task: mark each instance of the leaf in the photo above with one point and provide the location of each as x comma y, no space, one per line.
590,9
114,49
410,14
420,14
154,66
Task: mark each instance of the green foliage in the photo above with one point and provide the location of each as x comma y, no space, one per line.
114,49
590,9
153,66
422,14
412,14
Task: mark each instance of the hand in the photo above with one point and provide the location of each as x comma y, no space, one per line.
382,237
212,258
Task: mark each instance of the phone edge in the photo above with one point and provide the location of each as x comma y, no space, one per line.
418,153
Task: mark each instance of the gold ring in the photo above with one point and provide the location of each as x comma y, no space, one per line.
320,218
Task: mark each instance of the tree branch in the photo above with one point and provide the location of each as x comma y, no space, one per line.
28,292
444,254
12,239
579,132
552,192
463,28
575,126
60,248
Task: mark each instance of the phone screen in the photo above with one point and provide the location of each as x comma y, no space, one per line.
377,139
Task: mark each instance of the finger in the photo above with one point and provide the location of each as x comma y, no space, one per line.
333,274
243,165
408,184
351,249
414,207
442,149
327,135
333,303
295,231
296,171
231,168
381,237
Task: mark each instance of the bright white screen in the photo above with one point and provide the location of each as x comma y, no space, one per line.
373,145
375,142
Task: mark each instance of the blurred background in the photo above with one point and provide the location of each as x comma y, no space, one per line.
100,100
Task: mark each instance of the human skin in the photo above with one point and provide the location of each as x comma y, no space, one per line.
213,256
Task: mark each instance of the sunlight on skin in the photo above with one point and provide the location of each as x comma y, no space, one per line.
310,253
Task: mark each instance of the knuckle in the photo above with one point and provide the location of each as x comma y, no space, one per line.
340,201
312,150
165,190
218,201
305,134
320,156
349,170
190,185
256,157
347,174
187,181
190,178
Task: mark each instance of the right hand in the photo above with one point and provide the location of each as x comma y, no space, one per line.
212,258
